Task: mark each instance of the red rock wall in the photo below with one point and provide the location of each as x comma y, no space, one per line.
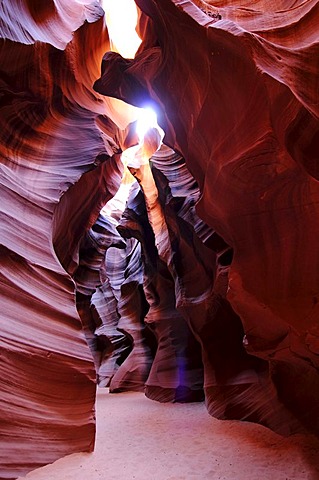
239,101
48,139
231,313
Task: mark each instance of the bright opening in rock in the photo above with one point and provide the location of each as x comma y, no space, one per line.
150,137
147,119
121,20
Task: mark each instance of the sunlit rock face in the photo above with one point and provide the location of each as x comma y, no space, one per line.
212,292
240,103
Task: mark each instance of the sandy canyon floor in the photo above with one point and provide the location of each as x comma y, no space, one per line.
145,440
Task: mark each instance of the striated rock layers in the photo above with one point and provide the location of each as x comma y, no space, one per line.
48,139
204,285
240,103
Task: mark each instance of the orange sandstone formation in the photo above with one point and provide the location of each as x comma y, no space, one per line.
206,284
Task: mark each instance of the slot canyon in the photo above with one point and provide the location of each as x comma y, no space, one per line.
179,261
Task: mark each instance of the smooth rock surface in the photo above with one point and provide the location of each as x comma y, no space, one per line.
212,287
229,103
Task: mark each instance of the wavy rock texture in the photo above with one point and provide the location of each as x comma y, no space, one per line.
48,138
241,105
176,373
207,285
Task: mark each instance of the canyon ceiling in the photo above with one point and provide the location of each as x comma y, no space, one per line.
205,284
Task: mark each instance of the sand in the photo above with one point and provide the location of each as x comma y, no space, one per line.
145,440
